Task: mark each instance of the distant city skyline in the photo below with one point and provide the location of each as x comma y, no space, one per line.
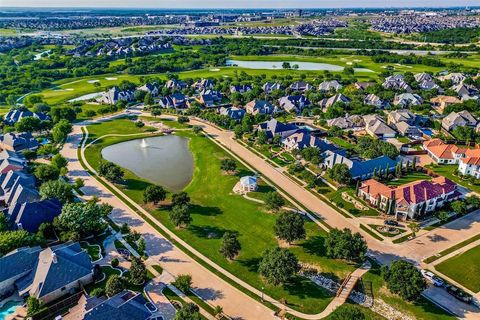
176,4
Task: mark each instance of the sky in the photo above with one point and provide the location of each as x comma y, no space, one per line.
236,3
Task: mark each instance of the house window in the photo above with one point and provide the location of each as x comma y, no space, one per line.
63,289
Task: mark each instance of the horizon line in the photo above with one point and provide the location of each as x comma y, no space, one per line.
242,8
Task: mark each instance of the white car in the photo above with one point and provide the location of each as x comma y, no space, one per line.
432,278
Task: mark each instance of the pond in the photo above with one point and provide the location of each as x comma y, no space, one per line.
164,160
272,65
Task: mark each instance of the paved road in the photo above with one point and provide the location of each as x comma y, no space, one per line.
213,289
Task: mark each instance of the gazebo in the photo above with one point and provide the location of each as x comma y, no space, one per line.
248,183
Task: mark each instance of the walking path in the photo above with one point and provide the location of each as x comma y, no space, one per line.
416,249
212,288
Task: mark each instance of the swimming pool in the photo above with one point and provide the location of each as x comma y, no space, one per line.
427,131
9,308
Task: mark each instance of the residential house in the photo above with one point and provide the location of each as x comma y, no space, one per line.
455,77
328,102
423,76
328,86
465,90
362,86
443,153
411,200
240,88
470,165
151,88
115,94
18,141
47,274
176,100
376,127
459,119
268,87
302,139
204,84
174,84
301,86
429,85
374,100
396,82
347,122
404,122
359,169
125,305
233,113
294,103
274,128
209,98
15,115
441,102
260,107
405,100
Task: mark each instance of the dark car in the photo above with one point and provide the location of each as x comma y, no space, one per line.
391,222
459,293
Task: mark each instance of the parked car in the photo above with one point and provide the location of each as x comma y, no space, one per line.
458,293
391,222
436,281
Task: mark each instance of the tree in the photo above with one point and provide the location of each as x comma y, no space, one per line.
154,194
45,172
183,282
3,222
83,219
343,244
114,285
197,129
28,124
59,161
262,137
414,227
188,312
79,183
289,226
347,312
110,171
228,165
61,130
230,245
340,173
238,131
180,215
404,279
33,305
181,198
141,246
274,201
148,100
10,240
138,271
459,207
57,189
278,265
156,112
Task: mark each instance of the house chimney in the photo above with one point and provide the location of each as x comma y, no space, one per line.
54,257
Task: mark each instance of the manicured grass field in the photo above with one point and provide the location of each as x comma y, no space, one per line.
93,251
463,268
216,210
409,177
341,143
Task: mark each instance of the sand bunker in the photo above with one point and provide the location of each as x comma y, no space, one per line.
111,78
93,81
215,70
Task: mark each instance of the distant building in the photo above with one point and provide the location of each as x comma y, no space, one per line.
260,107
233,113
15,115
327,86
328,102
18,141
459,119
405,100
301,86
294,103
274,128
150,88
441,102
113,95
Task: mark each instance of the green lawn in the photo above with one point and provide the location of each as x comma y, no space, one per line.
215,210
93,251
341,143
463,268
108,271
420,310
407,178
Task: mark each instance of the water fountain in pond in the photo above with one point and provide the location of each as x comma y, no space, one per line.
143,144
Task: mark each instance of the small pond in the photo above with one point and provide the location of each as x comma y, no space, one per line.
273,65
164,160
